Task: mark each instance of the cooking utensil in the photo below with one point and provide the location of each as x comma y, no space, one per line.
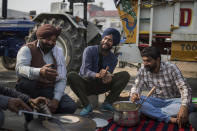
125,113
61,119
149,93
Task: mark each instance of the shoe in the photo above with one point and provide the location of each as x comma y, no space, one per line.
107,107
86,110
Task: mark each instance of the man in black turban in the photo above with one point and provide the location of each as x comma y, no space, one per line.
95,76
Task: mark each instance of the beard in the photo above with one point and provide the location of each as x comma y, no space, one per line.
151,68
46,47
105,49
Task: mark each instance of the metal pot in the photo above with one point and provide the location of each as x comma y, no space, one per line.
126,113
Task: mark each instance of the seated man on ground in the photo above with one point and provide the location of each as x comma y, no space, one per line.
41,70
15,101
95,76
172,98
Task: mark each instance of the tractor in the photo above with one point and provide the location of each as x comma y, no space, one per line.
12,36
76,33
75,36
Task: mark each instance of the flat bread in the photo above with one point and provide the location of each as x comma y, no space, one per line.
69,119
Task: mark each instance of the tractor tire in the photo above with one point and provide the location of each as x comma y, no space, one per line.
8,63
71,41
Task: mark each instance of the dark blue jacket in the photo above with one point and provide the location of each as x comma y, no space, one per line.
90,60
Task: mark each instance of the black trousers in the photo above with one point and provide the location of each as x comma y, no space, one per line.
29,87
193,120
84,87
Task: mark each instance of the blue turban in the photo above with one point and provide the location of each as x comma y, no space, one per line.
115,33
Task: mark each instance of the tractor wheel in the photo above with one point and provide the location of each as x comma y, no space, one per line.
70,40
8,63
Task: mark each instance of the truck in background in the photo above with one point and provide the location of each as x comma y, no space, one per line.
170,25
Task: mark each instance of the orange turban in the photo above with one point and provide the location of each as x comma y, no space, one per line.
46,31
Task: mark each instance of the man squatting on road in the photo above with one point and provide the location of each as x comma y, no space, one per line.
95,76
41,70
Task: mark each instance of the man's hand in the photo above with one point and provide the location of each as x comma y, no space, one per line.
107,78
53,105
103,72
135,97
182,116
98,75
16,104
38,100
47,72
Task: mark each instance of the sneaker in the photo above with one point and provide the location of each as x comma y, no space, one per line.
86,110
107,106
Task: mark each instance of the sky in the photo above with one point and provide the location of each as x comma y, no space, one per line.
44,5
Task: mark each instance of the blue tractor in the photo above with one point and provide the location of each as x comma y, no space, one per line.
12,36
76,34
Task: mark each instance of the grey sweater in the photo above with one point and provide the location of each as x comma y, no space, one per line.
6,93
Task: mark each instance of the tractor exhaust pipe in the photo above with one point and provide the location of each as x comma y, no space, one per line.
4,9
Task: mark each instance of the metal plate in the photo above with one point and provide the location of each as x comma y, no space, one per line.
84,124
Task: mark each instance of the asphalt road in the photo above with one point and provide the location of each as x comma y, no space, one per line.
15,122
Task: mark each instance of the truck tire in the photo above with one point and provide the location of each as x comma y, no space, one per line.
8,63
70,40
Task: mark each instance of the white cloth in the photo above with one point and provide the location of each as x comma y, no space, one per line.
59,56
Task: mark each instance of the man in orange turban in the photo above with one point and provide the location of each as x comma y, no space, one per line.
41,70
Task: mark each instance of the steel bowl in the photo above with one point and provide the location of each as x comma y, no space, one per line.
125,113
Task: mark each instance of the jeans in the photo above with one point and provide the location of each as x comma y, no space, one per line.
160,109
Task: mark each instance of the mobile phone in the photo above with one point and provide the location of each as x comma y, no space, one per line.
52,66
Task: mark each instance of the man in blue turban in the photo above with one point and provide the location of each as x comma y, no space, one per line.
96,73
